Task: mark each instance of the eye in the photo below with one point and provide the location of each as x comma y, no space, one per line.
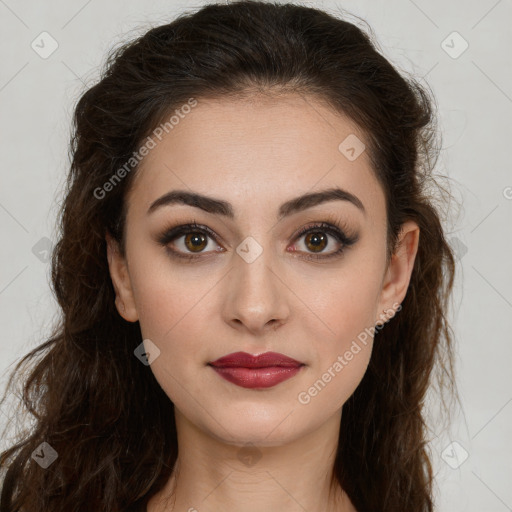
191,241
316,240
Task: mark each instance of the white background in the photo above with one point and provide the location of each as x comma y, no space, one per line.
474,96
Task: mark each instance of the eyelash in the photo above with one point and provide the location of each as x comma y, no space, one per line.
330,227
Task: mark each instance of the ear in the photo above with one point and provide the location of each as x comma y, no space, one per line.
121,280
399,271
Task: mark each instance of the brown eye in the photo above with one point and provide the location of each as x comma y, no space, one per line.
189,241
316,241
195,242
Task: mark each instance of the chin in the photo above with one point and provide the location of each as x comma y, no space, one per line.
260,426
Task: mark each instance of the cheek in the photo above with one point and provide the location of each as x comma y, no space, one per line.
338,367
172,315
334,381
342,327
173,305
168,309
163,291
345,305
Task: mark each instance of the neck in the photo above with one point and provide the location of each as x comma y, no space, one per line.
213,475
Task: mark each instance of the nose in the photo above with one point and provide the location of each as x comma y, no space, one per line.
257,297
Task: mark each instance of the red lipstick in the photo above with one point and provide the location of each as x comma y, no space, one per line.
261,371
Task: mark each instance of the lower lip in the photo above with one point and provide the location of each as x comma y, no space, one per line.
257,377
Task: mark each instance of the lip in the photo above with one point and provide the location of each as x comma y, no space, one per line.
261,371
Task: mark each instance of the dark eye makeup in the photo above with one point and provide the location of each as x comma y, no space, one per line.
335,228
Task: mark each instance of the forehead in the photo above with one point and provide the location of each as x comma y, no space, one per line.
259,149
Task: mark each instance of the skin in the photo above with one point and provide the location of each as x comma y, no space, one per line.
257,153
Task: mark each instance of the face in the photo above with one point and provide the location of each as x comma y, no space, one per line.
247,278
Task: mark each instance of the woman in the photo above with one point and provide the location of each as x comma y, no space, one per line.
252,275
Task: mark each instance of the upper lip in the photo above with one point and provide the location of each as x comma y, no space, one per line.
245,360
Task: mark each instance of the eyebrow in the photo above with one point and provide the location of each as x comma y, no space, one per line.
221,207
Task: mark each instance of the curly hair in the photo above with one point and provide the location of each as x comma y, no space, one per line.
90,398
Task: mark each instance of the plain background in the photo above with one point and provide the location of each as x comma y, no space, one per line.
473,89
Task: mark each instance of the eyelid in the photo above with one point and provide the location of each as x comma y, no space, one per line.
329,222
335,226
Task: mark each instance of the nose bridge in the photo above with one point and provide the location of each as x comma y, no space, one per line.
257,295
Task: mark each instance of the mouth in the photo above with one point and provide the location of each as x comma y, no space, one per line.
253,372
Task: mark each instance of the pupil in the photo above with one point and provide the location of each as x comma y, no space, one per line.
316,239
197,240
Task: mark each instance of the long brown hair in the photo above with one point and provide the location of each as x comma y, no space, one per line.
109,422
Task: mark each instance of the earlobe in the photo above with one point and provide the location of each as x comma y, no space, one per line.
124,300
399,271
